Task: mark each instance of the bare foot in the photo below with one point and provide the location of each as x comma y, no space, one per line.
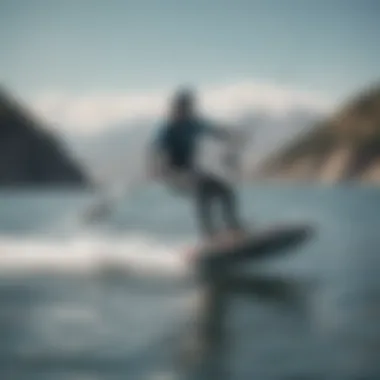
232,237
240,234
224,239
213,243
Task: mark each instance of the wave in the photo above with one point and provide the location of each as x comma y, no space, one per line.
89,253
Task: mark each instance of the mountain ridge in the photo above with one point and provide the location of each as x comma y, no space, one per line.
31,155
344,147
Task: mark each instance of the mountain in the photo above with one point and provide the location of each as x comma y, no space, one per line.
29,154
344,147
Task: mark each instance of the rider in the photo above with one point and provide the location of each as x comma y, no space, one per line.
174,159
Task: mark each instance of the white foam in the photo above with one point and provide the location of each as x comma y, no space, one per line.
86,254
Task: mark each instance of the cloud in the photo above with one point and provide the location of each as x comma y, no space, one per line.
95,112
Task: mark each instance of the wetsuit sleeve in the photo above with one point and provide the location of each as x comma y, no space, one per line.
214,129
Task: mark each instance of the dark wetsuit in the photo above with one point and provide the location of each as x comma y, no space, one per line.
179,142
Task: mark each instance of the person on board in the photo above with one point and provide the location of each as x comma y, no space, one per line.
173,159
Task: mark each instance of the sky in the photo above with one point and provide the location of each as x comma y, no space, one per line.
89,63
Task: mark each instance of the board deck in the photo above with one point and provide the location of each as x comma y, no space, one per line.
261,244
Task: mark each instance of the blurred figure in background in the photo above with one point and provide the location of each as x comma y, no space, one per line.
173,159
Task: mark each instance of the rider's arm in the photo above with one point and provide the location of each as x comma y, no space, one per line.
217,130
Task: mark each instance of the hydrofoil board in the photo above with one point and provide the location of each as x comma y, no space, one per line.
260,244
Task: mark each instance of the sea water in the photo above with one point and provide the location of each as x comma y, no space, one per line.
109,300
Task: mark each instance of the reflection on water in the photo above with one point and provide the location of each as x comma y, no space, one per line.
71,327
